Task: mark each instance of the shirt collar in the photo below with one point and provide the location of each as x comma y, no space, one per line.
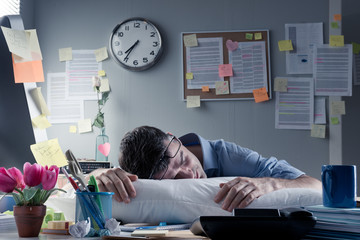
209,156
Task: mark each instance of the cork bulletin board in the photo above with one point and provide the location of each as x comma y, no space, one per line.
250,64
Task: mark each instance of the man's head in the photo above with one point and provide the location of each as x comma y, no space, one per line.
149,152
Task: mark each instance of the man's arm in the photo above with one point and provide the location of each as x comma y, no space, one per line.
117,181
241,191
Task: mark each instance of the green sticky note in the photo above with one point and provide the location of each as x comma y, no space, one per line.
356,47
334,25
334,120
249,36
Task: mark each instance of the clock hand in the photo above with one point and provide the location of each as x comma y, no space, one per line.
129,51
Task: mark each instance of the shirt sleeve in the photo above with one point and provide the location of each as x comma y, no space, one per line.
234,160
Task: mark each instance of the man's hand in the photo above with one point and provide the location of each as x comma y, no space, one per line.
118,181
241,191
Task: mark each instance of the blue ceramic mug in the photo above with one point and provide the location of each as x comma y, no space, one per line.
339,186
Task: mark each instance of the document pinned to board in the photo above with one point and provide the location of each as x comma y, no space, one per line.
49,153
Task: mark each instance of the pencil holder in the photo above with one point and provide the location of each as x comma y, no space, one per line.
95,205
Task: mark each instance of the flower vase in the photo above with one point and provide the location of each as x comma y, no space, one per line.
102,148
29,220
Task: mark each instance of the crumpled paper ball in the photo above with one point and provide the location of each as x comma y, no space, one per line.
80,229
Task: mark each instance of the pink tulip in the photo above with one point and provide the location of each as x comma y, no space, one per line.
49,177
7,182
16,173
33,174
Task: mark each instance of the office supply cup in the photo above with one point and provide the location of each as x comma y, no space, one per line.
339,186
94,205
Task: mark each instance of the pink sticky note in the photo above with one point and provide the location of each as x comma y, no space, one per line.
231,46
225,70
104,149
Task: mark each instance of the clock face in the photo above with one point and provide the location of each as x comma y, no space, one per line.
136,44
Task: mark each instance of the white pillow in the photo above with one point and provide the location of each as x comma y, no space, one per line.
181,201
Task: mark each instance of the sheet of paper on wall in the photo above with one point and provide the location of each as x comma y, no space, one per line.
65,54
192,101
294,109
79,73
31,71
320,110
356,69
333,70
318,131
41,122
101,54
84,125
303,37
40,101
62,109
49,153
249,67
203,61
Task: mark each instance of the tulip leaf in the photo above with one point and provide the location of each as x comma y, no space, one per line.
17,198
49,192
29,193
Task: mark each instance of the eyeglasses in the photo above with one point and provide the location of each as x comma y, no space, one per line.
168,153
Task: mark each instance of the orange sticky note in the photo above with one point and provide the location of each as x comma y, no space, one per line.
260,95
337,17
205,88
225,70
31,71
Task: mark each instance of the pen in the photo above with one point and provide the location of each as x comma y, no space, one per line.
73,183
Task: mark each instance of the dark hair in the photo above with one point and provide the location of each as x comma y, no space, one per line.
141,149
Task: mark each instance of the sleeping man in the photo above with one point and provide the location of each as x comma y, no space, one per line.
149,153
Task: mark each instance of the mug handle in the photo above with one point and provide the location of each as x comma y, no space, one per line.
329,177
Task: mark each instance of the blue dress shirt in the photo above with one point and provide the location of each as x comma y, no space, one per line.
223,159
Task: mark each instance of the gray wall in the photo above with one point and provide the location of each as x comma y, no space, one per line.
154,97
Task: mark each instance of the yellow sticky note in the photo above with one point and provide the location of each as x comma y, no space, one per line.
337,40
337,108
101,73
258,36
318,131
285,45
72,129
65,54
221,87
280,84
205,89
31,71
337,17
40,101
190,40
34,48
101,54
49,153
225,70
41,122
85,126
260,95
192,101
356,47
334,25
249,36
189,76
334,120
105,87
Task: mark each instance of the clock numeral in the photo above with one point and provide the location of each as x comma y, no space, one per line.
155,44
145,60
117,43
135,62
152,53
152,34
127,28
136,25
120,34
120,53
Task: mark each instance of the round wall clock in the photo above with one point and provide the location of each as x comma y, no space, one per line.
136,44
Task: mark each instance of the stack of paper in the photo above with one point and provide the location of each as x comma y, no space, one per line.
337,223
7,222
